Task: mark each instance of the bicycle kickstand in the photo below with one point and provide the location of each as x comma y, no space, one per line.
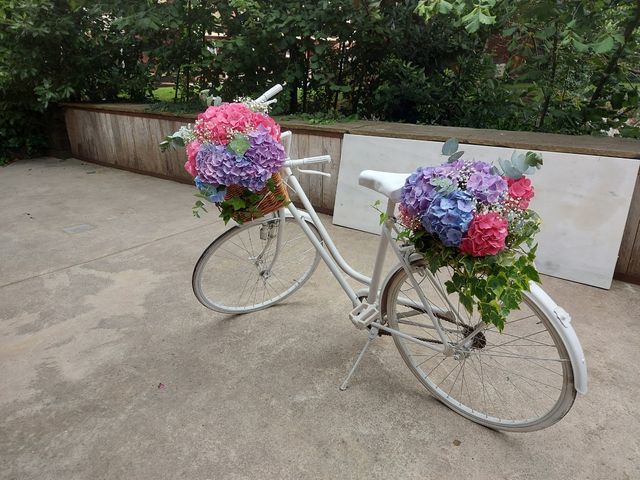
373,333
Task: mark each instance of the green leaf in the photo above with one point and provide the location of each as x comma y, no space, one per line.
533,159
239,144
519,163
578,45
511,299
467,302
455,156
450,147
444,7
443,185
486,19
604,46
236,203
508,169
531,273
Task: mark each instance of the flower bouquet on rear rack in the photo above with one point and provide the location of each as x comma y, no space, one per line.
474,218
234,154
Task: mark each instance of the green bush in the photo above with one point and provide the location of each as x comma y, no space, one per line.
56,50
426,61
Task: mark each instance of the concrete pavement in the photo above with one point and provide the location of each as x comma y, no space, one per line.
110,368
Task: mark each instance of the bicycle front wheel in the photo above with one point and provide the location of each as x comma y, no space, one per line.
517,380
249,267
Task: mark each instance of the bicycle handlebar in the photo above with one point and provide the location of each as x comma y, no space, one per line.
308,160
272,92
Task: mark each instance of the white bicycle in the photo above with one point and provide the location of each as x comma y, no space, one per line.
523,379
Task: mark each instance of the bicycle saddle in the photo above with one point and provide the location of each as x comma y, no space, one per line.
386,183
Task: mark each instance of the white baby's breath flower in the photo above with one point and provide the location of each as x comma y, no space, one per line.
258,107
186,133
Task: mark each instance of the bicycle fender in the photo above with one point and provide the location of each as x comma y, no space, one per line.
562,321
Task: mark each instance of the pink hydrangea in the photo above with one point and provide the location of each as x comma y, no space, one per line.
521,191
192,150
267,122
218,123
486,235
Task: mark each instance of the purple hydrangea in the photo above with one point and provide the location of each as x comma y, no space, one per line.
218,165
449,216
484,185
479,166
265,153
418,191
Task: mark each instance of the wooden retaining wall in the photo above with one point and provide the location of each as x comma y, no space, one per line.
127,136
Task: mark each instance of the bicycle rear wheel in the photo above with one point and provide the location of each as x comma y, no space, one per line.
517,380
240,272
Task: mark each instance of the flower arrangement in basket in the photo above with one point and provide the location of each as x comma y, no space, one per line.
474,217
234,154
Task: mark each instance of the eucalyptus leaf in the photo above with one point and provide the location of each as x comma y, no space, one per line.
443,185
455,156
450,147
519,163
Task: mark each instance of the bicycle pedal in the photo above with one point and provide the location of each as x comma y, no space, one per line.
363,315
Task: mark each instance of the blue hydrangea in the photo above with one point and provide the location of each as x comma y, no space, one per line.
449,216
211,192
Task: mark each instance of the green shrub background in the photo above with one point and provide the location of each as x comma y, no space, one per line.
574,67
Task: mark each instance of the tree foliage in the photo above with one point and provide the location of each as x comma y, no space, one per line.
571,64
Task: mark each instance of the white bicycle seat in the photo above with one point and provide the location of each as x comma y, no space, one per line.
386,183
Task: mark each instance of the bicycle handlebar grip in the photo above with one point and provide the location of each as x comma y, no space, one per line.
318,159
308,160
272,92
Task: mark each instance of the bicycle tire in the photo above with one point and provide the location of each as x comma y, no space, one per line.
542,373
239,260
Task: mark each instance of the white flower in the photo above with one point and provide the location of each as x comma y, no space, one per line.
186,133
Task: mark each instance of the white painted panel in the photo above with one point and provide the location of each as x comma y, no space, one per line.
583,200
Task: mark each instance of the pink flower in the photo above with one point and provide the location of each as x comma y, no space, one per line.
236,116
192,151
211,131
521,190
218,123
486,235
267,122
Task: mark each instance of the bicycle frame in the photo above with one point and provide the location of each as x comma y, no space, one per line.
339,266
336,263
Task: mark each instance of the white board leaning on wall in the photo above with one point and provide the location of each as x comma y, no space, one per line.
583,199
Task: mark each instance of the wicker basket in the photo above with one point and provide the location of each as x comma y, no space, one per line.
271,201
